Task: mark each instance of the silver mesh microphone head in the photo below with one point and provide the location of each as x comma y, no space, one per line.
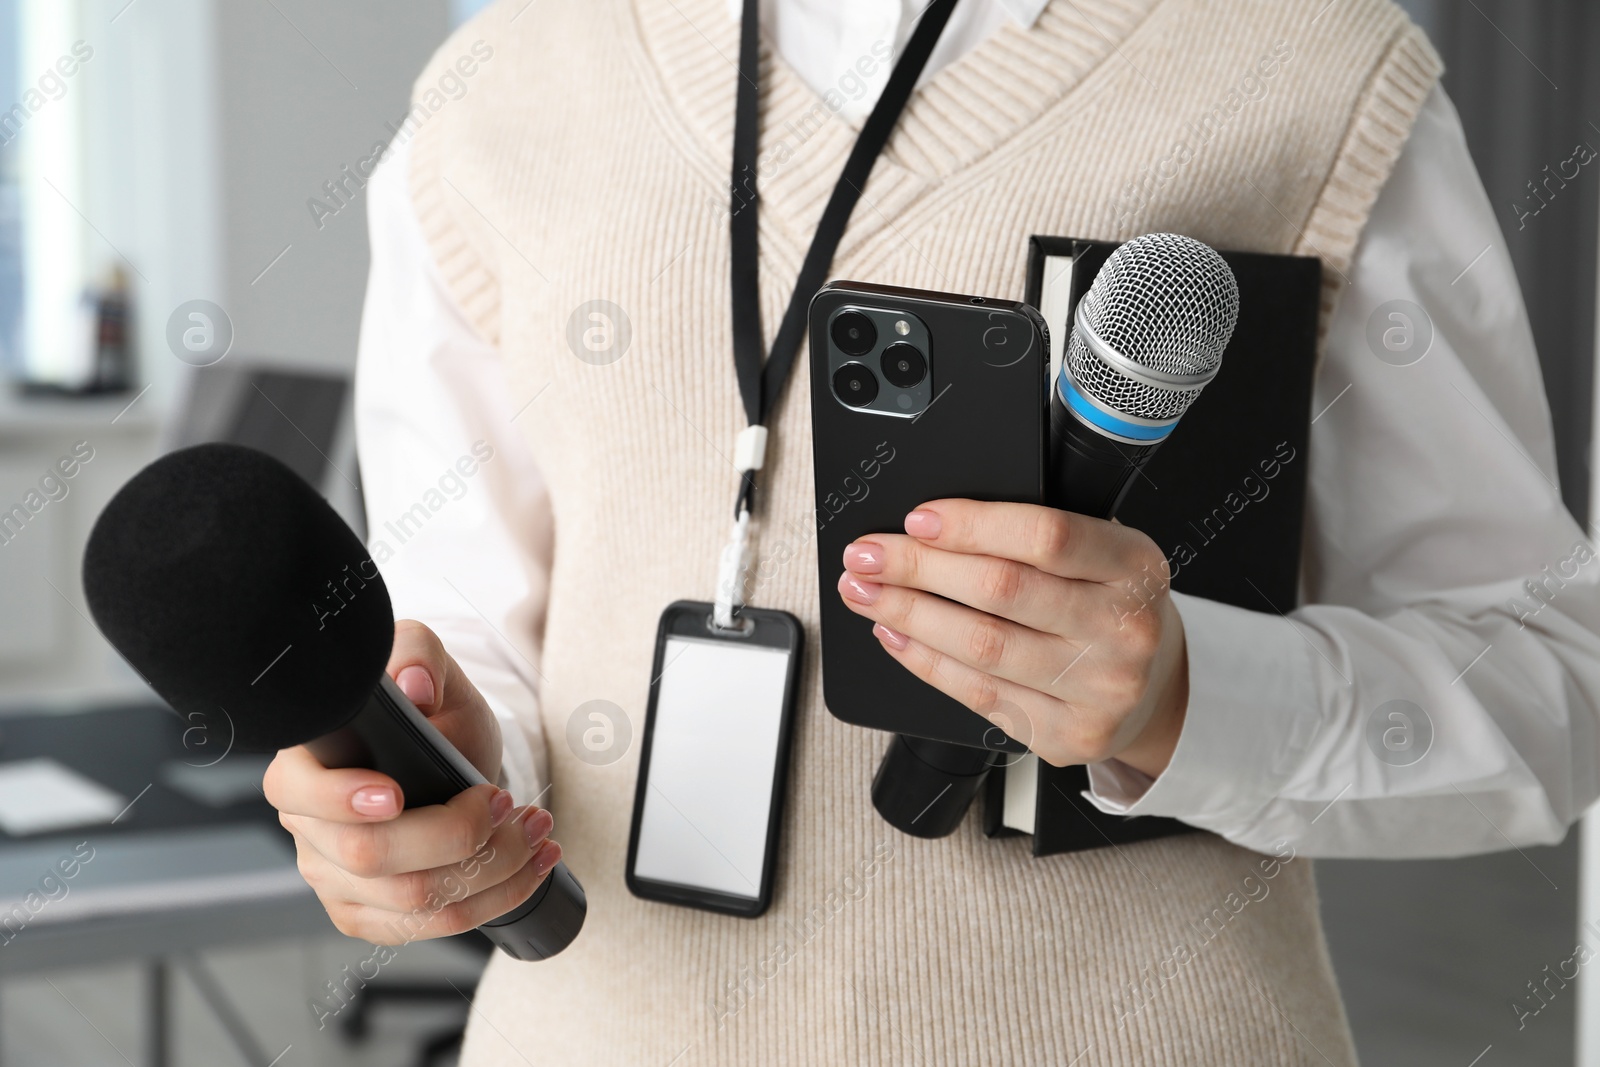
1150,332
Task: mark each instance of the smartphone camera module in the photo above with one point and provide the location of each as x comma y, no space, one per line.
854,333
855,384
879,360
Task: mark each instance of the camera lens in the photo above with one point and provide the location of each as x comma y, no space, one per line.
855,384
854,333
904,366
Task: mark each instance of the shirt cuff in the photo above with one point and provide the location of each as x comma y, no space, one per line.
1251,716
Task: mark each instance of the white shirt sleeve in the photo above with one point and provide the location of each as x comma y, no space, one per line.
1437,694
466,553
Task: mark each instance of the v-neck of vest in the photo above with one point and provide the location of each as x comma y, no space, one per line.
955,119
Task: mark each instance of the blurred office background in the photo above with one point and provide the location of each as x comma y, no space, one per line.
160,169
170,175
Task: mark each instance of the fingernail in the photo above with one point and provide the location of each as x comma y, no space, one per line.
375,800
417,684
893,638
546,857
857,590
538,826
864,557
922,523
500,806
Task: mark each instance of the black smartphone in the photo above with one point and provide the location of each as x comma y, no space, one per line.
714,759
915,396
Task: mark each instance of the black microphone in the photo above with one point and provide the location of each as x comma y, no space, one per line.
1147,337
243,599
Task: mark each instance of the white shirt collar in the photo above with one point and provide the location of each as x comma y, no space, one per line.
826,41
1023,12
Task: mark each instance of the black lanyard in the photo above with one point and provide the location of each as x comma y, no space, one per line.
761,382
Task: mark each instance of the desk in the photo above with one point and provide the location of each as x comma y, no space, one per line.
171,878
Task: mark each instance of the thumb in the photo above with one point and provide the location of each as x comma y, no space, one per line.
433,681
422,668
416,682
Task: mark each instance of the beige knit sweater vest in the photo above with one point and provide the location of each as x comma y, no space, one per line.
588,160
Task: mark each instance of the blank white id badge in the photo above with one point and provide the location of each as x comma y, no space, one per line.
714,763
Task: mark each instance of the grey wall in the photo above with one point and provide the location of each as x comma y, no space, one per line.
1523,75
302,93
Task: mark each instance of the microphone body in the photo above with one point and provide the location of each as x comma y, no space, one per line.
1090,473
244,601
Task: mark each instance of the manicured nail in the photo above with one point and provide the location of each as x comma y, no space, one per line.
417,684
857,590
500,806
893,638
538,826
375,800
545,858
864,557
921,523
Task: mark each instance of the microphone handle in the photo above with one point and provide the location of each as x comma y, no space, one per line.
390,735
1090,473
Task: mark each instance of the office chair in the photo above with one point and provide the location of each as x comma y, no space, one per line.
356,1021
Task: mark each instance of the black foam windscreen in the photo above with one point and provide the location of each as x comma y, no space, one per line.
240,596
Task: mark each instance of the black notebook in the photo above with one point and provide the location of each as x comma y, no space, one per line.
1224,497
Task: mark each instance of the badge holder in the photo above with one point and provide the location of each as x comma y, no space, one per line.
713,765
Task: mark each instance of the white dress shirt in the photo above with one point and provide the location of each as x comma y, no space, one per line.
1432,501
821,39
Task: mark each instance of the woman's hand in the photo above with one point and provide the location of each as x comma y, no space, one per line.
1055,627
389,876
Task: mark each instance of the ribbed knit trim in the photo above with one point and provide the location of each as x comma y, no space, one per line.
1376,136
464,269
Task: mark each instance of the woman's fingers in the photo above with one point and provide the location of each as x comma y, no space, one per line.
417,840
427,873
506,852
1056,542
296,784
1004,587
1058,733
974,638
381,926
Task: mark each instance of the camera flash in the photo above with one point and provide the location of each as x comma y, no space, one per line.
902,327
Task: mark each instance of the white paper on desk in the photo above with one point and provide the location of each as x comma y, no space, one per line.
41,795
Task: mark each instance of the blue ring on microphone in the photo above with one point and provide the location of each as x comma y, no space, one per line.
1093,415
